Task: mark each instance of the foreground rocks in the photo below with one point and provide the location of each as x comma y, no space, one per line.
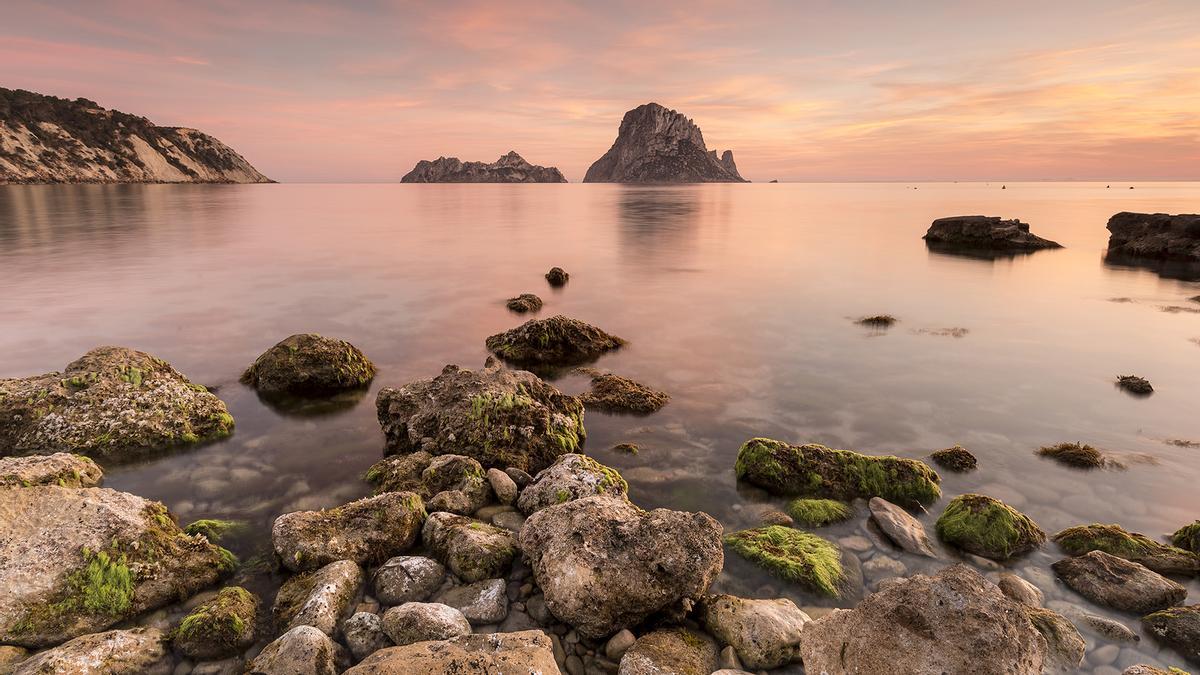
1154,235
603,564
309,365
319,599
78,560
953,622
510,168
140,650
422,621
572,476
368,531
61,468
1118,583
988,527
817,471
500,417
658,145
985,233
613,393
765,633
673,650
219,628
112,403
1115,540
1178,628
407,579
556,341
472,550
303,650
520,653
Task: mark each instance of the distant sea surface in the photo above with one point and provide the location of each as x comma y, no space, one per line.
738,300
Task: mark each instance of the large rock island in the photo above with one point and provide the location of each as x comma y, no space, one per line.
44,139
511,168
659,145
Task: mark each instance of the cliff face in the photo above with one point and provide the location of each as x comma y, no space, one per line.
658,145
510,168
44,139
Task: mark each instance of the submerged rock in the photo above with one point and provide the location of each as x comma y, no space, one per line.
571,477
1135,385
557,276
796,556
1020,590
556,341
953,622
1188,537
604,564
1077,455
62,468
78,560
819,512
1115,540
613,393
905,531
1064,645
510,168
303,650
472,550
320,599
528,651
500,417
985,233
1154,235
525,302
658,145
817,471
408,579
139,650
1177,628
678,651
765,633
112,403
421,621
956,458
308,364
1118,583
367,531
219,628
988,527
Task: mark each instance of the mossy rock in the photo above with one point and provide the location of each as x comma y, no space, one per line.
214,529
1115,540
819,512
525,302
957,459
817,471
793,555
1077,455
988,527
1188,537
62,469
556,341
308,364
219,628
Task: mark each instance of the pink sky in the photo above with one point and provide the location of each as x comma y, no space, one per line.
817,90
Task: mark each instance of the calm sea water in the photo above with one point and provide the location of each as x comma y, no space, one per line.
739,300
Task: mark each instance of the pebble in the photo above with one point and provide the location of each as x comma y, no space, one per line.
560,655
855,543
618,643
574,665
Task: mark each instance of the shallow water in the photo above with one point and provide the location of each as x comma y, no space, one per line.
739,300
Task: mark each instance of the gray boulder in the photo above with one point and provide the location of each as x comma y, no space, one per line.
765,634
320,599
1118,583
408,579
483,602
985,233
675,651
572,476
140,650
472,550
904,530
303,650
62,468
364,635
367,531
521,653
422,621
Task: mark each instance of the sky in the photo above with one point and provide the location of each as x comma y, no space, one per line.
801,90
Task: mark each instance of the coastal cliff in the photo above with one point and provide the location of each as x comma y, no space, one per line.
45,139
659,145
511,168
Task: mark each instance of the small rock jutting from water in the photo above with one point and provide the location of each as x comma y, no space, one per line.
308,364
1177,628
613,393
525,302
956,458
988,527
556,341
1154,235
557,276
1138,548
1134,384
905,531
985,233
1188,537
877,321
1076,455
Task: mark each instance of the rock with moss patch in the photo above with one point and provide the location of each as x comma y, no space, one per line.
524,652
421,621
904,530
1076,455
1064,645
955,621
613,393
819,512
1177,628
407,579
471,549
571,477
219,628
1115,540
988,527
500,417
817,471
956,458
139,650
112,403
78,560
214,529
1118,583
604,564
455,483
62,468
1188,537
525,302
320,599
678,651
765,633
303,650
308,364
558,341
367,531
792,555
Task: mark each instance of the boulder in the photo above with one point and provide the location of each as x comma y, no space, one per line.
510,168
407,579
817,471
1115,540
557,276
1177,628
456,484
1154,235
1118,583
793,555
502,418
556,341
504,487
990,233
613,393
219,628
765,633
308,364
819,512
320,599
525,302
62,468
139,650
658,145
520,653
112,403
422,621
905,531
472,550
674,651
572,476
1075,455
364,635
1064,645
952,622
78,560
604,564
988,527
957,459
618,644
483,602
1188,537
367,531
303,650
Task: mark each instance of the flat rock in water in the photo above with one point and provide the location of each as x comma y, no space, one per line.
572,476
138,650
1155,235
906,531
765,633
367,531
520,653
308,364
556,341
674,650
1118,583
62,468
613,393
1116,540
985,233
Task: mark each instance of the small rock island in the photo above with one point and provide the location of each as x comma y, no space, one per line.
659,145
990,233
1155,235
511,168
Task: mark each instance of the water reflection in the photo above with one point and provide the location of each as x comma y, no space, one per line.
1168,269
658,222
940,248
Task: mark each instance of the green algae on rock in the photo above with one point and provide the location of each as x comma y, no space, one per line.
308,364
1188,537
613,393
1078,455
1115,540
956,458
112,403
819,512
988,527
214,529
221,627
793,555
1178,628
817,471
556,341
